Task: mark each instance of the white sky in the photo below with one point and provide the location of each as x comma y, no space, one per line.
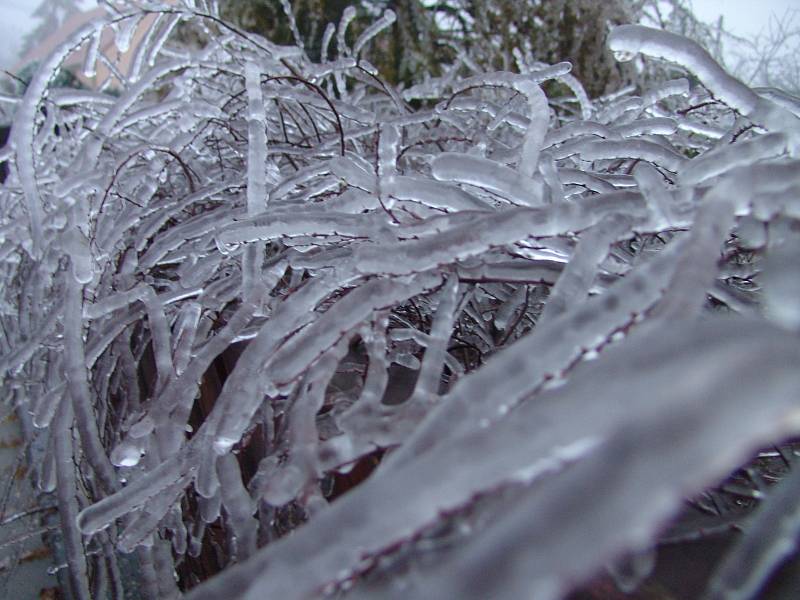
746,18
15,22
742,17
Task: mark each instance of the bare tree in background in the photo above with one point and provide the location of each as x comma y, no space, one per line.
770,59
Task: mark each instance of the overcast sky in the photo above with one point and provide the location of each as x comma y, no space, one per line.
745,18
14,22
742,17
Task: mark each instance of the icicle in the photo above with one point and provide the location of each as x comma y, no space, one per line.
16,360
210,508
207,482
47,404
387,150
77,248
165,570
144,558
143,46
257,140
549,171
180,535
90,60
581,96
374,388
160,336
539,111
124,32
47,477
143,525
510,306
185,333
239,508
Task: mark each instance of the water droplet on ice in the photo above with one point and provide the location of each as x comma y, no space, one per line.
126,454
223,444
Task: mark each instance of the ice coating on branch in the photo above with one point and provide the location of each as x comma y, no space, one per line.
538,109
674,87
330,30
64,455
633,39
473,170
348,15
657,126
637,149
303,349
367,338
101,514
696,268
432,193
659,200
579,274
386,20
257,147
24,124
561,560
770,537
463,240
781,276
725,158
287,10
276,570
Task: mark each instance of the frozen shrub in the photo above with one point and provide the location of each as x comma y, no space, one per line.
249,293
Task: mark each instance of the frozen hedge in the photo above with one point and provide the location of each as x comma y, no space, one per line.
241,282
